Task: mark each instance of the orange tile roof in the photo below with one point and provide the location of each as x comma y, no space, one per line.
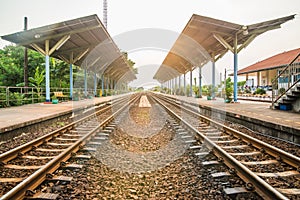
276,61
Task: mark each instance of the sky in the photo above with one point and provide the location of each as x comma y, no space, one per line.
153,26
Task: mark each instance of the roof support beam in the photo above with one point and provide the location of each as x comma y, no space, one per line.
223,42
38,49
64,59
61,42
247,42
79,56
260,31
220,56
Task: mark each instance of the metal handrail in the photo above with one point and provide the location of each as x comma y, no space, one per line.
275,81
287,90
30,92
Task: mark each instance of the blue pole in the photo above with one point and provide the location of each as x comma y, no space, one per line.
191,83
71,81
47,79
85,83
200,82
107,86
112,86
213,79
235,77
107,83
184,85
95,84
102,84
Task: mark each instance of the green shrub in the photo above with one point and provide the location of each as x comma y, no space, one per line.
281,91
16,99
260,91
247,91
229,90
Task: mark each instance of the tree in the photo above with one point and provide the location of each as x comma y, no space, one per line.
37,80
130,62
60,73
11,60
228,89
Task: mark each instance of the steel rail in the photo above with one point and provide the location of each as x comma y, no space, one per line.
20,150
261,187
39,176
274,151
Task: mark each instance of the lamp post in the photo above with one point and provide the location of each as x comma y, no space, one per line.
225,80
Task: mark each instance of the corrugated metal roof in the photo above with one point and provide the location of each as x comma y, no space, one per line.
87,41
203,39
275,61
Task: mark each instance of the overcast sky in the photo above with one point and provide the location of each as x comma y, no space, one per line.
131,17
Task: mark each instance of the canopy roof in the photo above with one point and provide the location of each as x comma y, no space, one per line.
72,41
206,39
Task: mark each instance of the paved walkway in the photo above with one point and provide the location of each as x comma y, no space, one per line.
252,109
16,117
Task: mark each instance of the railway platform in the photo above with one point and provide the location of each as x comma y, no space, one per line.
253,114
16,117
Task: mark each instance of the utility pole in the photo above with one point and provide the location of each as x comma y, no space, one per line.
25,59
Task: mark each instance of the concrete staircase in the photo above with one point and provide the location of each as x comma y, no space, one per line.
291,99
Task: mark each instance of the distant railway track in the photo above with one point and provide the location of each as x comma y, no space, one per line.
266,170
25,167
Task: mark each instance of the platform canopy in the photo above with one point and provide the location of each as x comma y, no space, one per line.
206,39
72,41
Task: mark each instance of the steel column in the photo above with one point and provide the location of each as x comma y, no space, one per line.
213,79
175,87
47,78
179,82
102,85
200,82
95,84
191,83
85,82
71,81
184,85
235,69
107,83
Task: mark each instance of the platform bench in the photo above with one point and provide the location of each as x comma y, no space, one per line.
60,96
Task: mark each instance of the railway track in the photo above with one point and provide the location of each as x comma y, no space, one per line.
270,172
25,167
189,149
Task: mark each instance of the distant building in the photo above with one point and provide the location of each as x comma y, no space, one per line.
266,70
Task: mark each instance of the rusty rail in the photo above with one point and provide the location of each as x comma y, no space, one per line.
261,187
39,176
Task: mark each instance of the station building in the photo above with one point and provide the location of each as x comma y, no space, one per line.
267,70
